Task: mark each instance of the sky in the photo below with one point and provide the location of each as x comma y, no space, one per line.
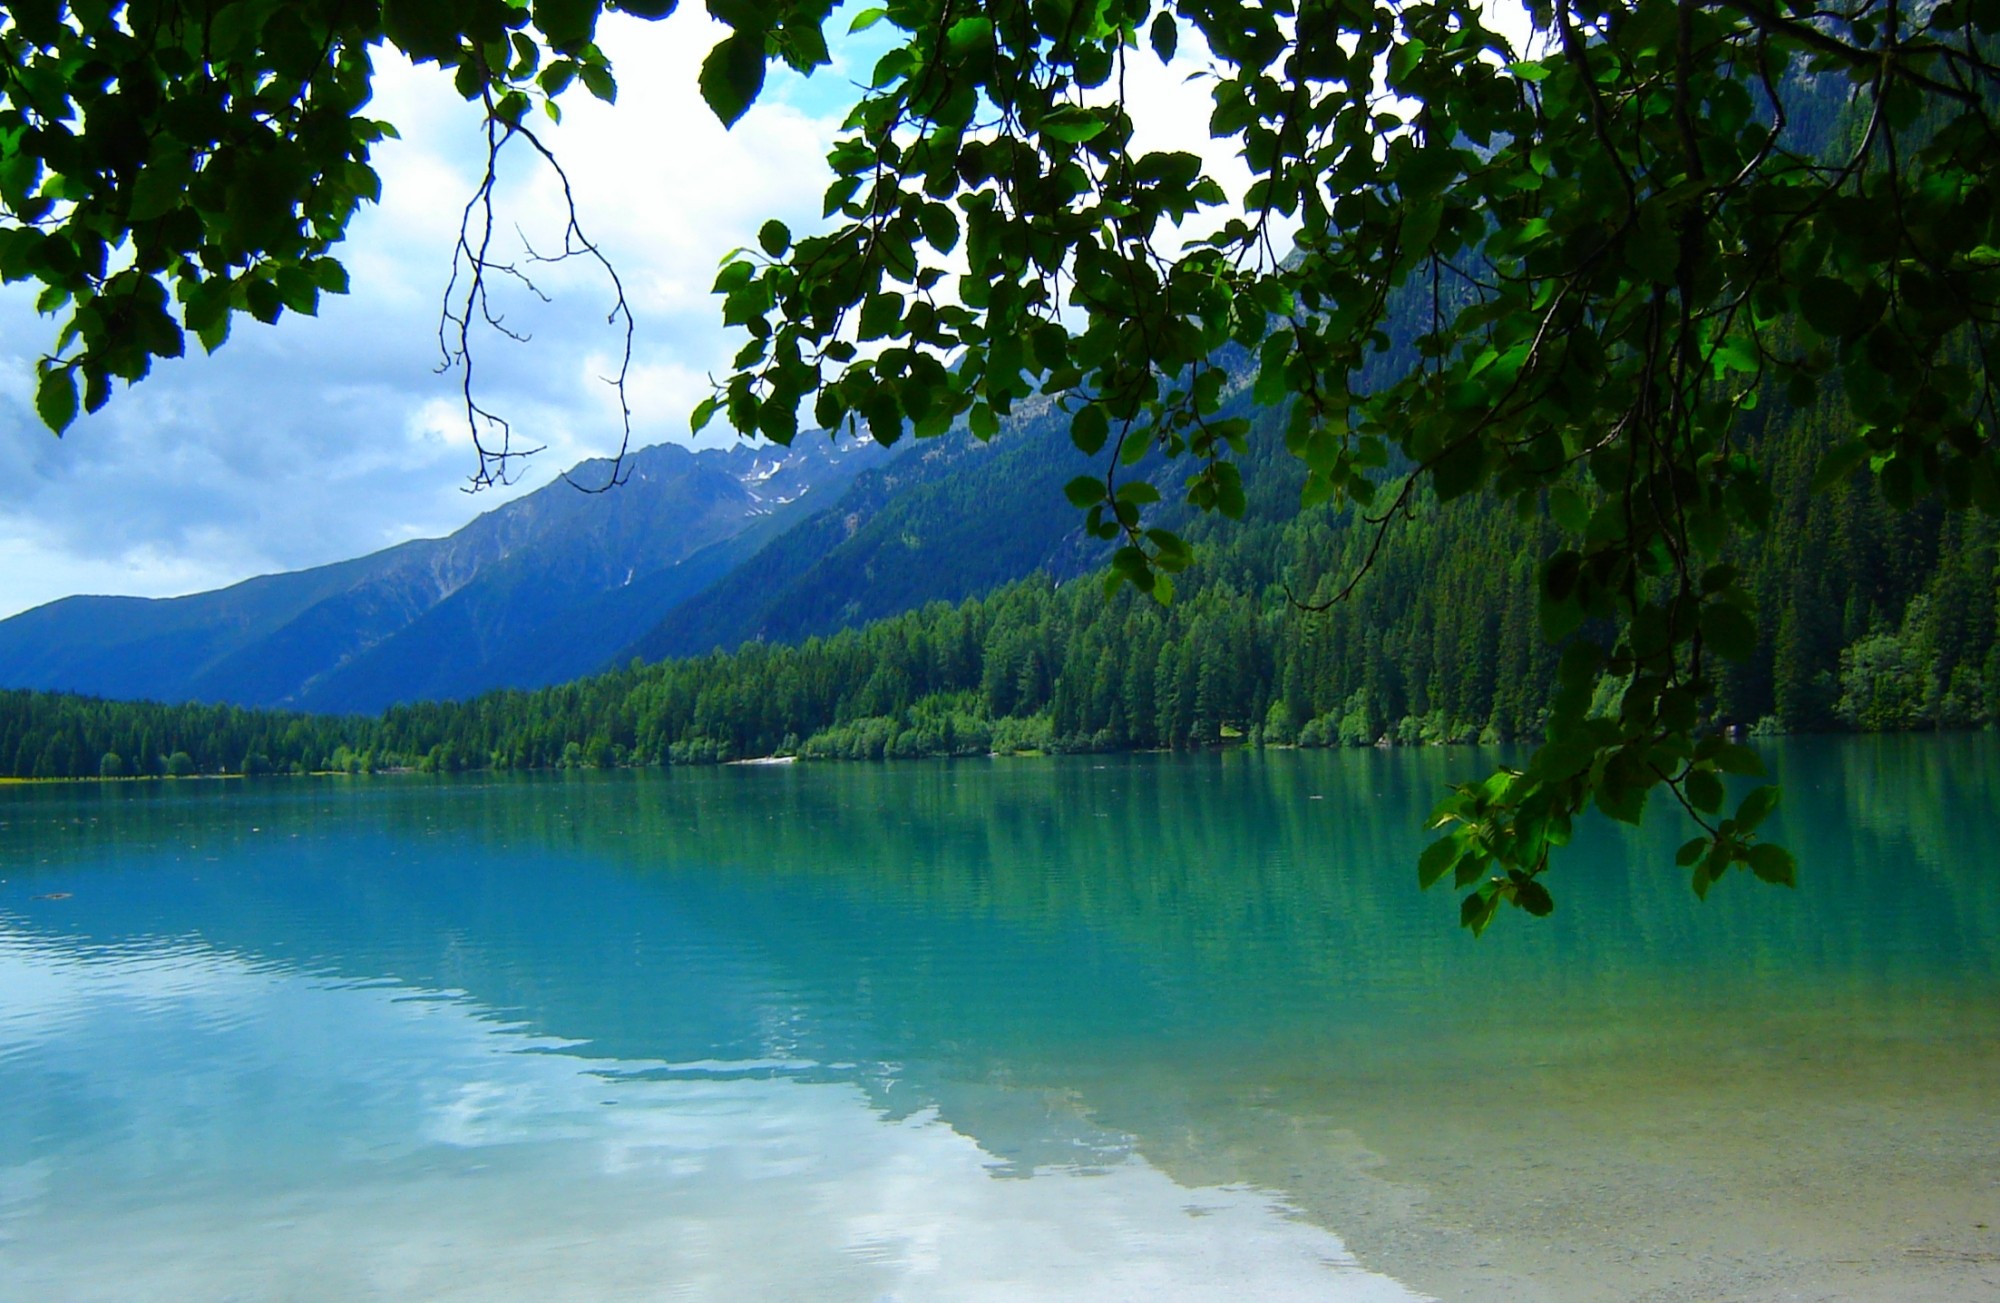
320,439
325,438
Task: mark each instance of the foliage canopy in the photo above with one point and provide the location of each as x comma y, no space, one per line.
1620,240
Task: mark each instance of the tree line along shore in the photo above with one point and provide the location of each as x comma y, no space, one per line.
1871,619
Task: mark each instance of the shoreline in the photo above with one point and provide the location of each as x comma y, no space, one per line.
1229,747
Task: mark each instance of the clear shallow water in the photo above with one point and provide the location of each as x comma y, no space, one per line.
1095,1028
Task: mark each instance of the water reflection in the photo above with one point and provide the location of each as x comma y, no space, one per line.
202,1127
1215,969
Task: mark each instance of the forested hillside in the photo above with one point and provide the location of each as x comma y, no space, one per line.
1874,619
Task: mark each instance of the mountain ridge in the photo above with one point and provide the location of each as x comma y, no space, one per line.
953,518
447,616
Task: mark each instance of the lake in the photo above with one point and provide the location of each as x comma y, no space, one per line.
1134,1027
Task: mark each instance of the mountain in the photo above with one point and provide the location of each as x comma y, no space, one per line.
543,589
953,519
694,551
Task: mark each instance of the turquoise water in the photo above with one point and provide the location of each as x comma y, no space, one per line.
1095,1028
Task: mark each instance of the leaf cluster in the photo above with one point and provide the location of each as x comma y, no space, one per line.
1626,241
165,165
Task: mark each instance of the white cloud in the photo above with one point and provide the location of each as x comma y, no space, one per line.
321,439
313,1138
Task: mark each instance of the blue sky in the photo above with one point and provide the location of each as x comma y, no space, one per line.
326,438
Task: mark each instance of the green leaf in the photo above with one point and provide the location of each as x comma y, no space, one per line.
1651,249
1073,124
329,275
1534,897
214,333
1130,563
97,390
159,189
732,75
1172,551
1580,664
1438,859
704,412
1757,806
1134,451
569,24
1568,508
263,300
1621,798
1713,865
940,226
1459,470
866,19
557,76
1728,631
881,316
1774,864
1084,491
1565,758
982,422
1476,911
598,81
422,29
1837,464
774,237
55,397
1404,58
1165,35
1735,759
297,290
969,34
1229,497
1089,429
1427,172
1704,791
1831,307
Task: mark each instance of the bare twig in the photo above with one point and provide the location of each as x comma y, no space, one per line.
467,305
